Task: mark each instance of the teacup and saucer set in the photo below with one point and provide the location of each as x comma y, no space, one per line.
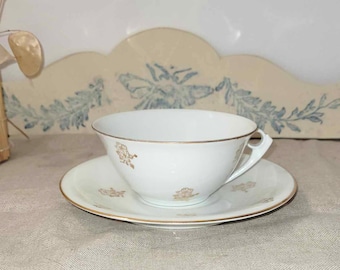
178,169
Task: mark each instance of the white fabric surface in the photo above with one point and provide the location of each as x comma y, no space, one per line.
39,229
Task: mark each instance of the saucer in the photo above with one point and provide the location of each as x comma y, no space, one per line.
96,187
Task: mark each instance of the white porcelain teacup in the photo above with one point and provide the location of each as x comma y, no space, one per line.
178,157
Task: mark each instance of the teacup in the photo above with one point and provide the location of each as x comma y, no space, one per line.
179,157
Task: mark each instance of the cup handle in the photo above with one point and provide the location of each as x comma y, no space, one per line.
258,150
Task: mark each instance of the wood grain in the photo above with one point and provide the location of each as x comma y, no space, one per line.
4,144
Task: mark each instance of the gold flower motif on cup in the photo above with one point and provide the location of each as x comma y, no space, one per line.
124,155
184,194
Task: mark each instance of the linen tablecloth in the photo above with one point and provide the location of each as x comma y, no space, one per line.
39,229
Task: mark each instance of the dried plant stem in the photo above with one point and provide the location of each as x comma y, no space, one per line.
4,144
17,128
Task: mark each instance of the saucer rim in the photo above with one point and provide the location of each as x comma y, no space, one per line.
185,222
161,223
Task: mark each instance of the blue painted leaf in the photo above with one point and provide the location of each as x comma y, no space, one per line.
276,126
300,113
64,123
44,110
293,127
152,72
314,119
228,96
77,119
310,106
4,94
248,115
47,125
30,125
242,92
294,112
240,109
322,100
15,101
10,109
46,128
198,91
267,107
220,86
137,86
30,112
251,100
10,114
187,77
261,125
281,113
260,121
57,107
164,73
334,104
317,114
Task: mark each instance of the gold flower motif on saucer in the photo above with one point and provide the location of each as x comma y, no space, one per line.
244,186
111,192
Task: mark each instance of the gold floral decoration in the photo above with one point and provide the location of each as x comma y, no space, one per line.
124,155
266,200
184,194
244,186
111,192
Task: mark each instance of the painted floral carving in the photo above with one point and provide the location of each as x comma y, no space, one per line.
72,112
165,88
168,87
265,112
184,194
124,155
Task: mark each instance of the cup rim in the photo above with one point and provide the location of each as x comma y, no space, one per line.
175,141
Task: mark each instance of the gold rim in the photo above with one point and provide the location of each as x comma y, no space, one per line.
179,142
174,142
184,222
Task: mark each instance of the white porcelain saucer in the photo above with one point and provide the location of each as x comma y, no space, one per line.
95,186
